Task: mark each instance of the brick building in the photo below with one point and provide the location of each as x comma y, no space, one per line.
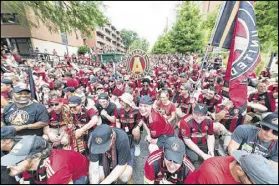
27,39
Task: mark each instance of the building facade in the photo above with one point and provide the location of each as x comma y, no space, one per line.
209,6
26,39
106,39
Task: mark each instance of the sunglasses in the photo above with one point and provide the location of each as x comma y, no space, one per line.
56,104
145,85
266,128
126,80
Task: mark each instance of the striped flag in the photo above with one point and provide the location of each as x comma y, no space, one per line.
237,31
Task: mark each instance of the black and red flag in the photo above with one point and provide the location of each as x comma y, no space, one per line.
236,30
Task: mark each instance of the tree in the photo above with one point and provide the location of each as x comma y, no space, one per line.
208,24
59,16
163,45
83,50
267,24
139,43
128,37
186,35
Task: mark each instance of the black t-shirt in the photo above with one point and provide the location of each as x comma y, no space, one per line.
122,148
35,112
110,110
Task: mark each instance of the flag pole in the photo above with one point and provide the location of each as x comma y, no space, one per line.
209,44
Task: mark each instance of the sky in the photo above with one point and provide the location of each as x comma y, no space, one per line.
147,18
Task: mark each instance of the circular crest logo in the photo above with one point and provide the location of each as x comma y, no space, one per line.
98,140
138,64
175,147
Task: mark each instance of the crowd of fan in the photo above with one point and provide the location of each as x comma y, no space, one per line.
83,122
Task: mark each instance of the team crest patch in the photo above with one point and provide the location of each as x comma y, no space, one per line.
201,107
274,121
138,64
98,140
19,117
175,147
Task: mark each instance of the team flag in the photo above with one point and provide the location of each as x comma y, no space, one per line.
236,27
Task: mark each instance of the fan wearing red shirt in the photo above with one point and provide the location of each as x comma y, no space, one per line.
274,87
50,166
210,98
146,90
196,130
156,126
168,165
242,168
165,107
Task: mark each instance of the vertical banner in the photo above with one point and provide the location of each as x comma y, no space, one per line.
31,84
244,50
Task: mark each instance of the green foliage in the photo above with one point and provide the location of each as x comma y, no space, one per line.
59,16
267,24
186,35
139,43
128,37
163,45
83,50
208,24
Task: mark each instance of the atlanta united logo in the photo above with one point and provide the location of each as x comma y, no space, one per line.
138,63
246,49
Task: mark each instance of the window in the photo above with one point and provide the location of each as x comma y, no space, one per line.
7,18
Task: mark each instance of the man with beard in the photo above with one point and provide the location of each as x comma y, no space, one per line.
196,130
52,166
26,116
168,165
156,126
210,98
109,156
242,168
127,118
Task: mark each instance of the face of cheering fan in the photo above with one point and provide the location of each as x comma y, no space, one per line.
145,110
22,97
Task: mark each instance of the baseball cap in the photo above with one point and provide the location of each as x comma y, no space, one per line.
201,109
128,99
100,139
271,121
8,132
69,89
256,167
187,86
174,150
94,79
27,146
74,100
7,81
20,88
146,100
103,96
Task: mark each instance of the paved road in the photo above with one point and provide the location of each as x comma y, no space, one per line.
138,168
